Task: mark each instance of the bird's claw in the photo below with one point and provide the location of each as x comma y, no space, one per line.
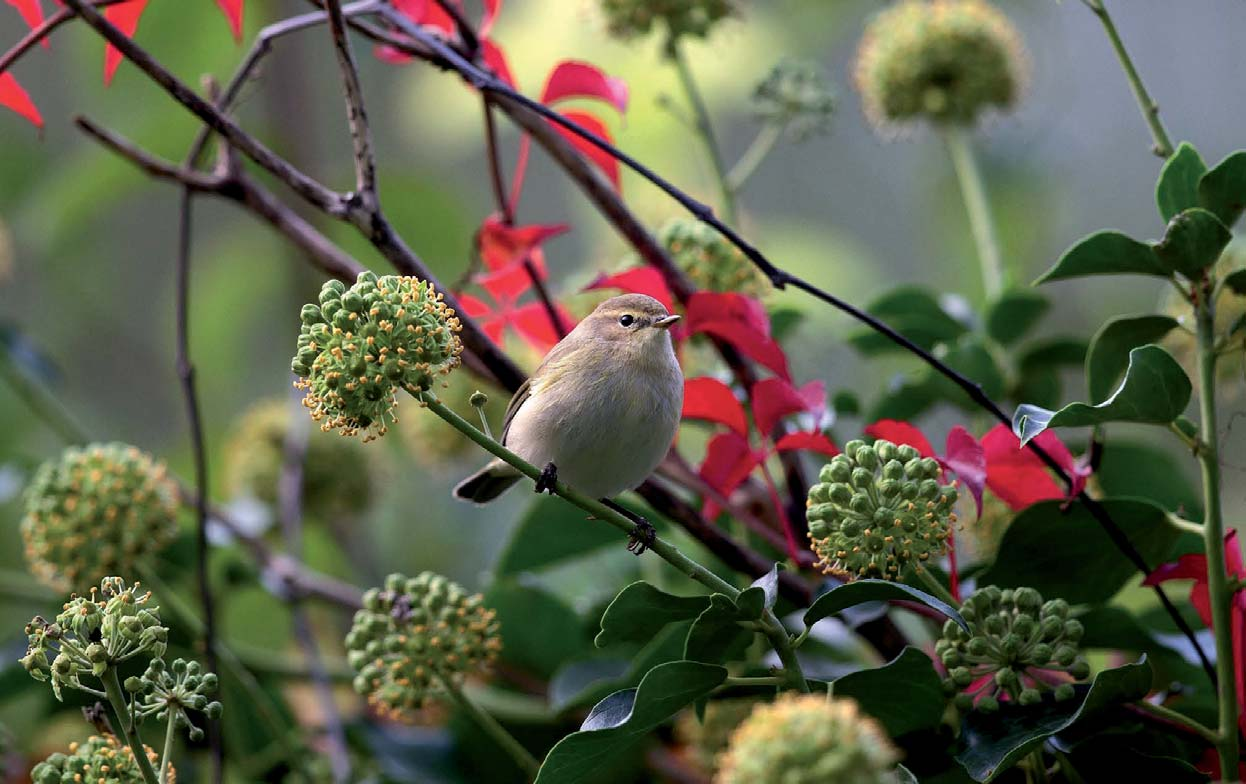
642,538
549,477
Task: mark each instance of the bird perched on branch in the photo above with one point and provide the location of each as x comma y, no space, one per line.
601,410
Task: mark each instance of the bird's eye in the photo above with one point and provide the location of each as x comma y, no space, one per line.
627,320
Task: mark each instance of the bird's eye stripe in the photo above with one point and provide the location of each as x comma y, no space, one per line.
626,320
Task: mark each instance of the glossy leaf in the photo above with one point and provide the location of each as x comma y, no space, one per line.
1236,281
578,79
905,694
857,592
638,280
584,682
775,398
1155,391
713,401
900,433
914,313
716,635
1106,253
1223,189
1014,314
1016,474
603,160
1193,242
1155,472
1177,189
551,532
1066,552
12,96
623,718
125,17
1109,348
640,611
760,596
233,13
995,742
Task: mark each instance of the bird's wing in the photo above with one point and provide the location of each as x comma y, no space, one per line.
550,369
512,408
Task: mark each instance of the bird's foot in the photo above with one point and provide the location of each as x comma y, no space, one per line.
643,536
549,477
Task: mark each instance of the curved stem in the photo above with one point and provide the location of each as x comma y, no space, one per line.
980,221
1173,717
166,758
1213,540
757,151
129,733
704,128
522,757
936,587
782,644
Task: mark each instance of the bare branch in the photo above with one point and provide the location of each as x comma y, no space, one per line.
156,167
357,113
44,30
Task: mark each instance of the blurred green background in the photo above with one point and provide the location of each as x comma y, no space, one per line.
87,243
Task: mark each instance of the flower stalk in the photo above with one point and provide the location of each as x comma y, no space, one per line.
704,129
129,732
522,757
978,207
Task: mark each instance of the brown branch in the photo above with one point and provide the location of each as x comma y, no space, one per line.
357,113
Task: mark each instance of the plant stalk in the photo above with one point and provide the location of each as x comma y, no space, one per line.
973,189
522,757
705,130
1173,717
166,758
116,698
1213,541
761,146
936,587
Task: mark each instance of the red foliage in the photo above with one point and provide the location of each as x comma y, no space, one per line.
31,12
1019,477
741,322
125,16
578,79
12,96
713,401
233,13
638,280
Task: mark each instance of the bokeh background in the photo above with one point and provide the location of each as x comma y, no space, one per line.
87,243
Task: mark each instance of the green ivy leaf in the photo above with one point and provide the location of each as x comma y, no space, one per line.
1177,189
1236,281
995,742
716,635
541,631
621,720
640,611
1066,553
1110,347
857,592
551,532
914,313
1014,314
1193,242
905,695
1223,189
582,682
1130,469
1106,253
1111,628
760,595
1155,391
1038,380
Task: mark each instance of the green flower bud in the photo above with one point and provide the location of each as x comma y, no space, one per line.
98,759
794,95
627,19
1064,655
1073,629
713,263
95,511
988,705
1057,608
1065,691
384,320
1030,697
422,630
1080,669
946,61
807,738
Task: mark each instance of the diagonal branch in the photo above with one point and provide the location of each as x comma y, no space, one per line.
357,114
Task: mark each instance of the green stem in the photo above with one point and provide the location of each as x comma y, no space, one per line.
1182,524
116,698
761,680
1150,110
1190,441
1066,768
762,144
982,225
936,587
522,757
705,129
771,626
1213,539
166,759
1173,717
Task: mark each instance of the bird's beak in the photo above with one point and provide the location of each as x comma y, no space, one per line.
665,322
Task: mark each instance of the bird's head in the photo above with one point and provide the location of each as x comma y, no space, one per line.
631,320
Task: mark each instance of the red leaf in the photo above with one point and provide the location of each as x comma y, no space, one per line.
1016,474
809,442
533,323
479,310
751,344
706,306
510,282
233,12
14,97
491,10
775,398
578,79
966,458
502,245
728,462
31,12
603,160
392,55
125,17
901,433
495,59
638,280
712,400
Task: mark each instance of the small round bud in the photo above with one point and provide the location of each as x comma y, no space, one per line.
98,759
1030,697
1065,691
627,19
713,263
794,95
1080,669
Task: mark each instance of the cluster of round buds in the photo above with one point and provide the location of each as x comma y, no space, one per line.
808,739
417,637
708,736
167,693
878,508
92,633
102,758
796,96
362,344
434,442
95,511
634,18
1018,647
713,263
947,61
337,475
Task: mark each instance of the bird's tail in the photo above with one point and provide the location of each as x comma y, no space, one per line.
488,483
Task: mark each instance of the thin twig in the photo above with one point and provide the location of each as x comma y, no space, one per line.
357,113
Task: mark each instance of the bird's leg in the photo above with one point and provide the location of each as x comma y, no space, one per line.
643,536
549,477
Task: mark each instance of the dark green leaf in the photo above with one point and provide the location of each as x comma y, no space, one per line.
1067,554
1116,629
625,718
1110,347
552,531
574,686
1236,281
541,631
1155,391
973,360
760,596
909,397
1129,469
904,775
1106,253
1193,242
1014,314
1177,188
716,635
640,611
996,742
846,403
1223,189
906,694
914,313
1052,353
857,592
784,322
